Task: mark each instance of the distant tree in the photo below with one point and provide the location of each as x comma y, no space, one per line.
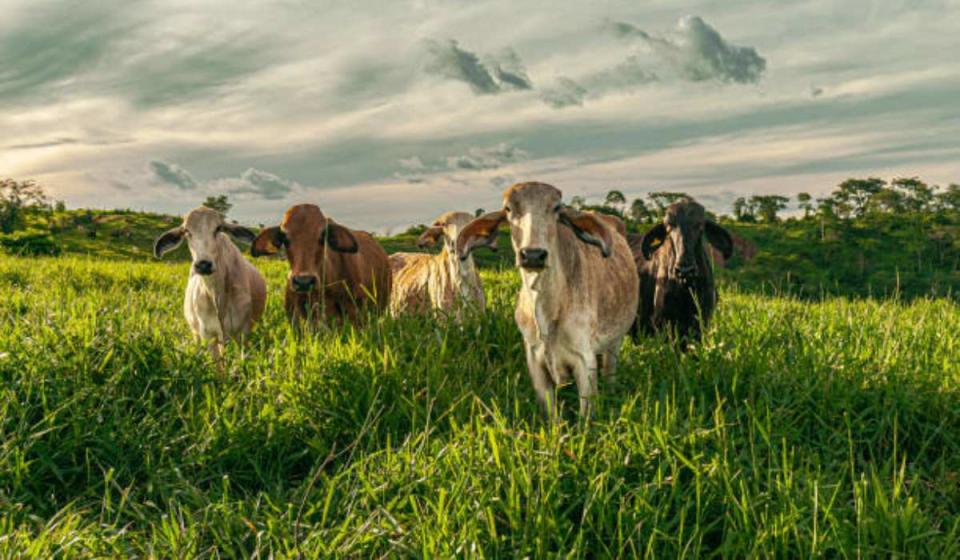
853,195
741,209
16,198
578,202
805,202
639,211
479,212
887,201
767,206
218,203
615,199
949,199
918,196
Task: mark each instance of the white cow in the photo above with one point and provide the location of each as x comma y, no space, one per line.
226,294
579,292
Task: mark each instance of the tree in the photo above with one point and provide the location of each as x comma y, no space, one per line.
741,210
918,196
578,202
478,212
218,203
767,206
639,211
949,199
805,202
16,198
853,195
615,199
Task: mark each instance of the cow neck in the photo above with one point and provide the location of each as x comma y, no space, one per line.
457,271
543,290
216,284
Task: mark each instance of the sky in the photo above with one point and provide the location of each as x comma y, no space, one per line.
390,113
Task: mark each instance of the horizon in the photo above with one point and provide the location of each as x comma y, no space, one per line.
382,114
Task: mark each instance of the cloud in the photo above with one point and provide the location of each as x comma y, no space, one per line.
494,157
172,174
497,73
412,163
508,70
565,93
698,52
266,185
450,61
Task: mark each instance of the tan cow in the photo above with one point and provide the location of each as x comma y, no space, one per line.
225,294
443,282
327,285
579,291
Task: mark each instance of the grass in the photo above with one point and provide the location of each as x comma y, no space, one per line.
797,429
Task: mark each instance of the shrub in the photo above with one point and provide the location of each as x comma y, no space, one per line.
29,242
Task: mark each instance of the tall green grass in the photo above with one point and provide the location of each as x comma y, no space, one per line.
796,429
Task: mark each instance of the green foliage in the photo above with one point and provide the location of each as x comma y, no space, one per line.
29,242
220,203
18,198
796,429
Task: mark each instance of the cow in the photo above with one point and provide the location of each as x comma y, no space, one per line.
441,282
677,291
579,288
225,294
335,272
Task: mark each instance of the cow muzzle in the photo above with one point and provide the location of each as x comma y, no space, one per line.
686,272
303,283
533,259
203,267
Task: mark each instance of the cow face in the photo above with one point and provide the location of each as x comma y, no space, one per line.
534,212
305,233
202,228
681,235
445,229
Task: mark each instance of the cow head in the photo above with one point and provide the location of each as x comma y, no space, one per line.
305,233
535,214
445,229
202,228
681,234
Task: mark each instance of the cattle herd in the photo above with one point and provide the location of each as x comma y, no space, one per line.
586,283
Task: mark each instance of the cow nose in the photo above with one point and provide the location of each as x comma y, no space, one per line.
304,283
686,271
203,267
533,258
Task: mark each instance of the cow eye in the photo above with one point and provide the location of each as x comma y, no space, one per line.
506,209
282,238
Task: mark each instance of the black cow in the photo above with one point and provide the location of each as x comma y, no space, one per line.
677,291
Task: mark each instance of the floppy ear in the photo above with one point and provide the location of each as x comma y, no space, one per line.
430,237
589,228
719,238
168,242
268,242
339,238
481,232
238,232
652,240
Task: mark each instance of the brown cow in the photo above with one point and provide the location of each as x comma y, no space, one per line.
677,291
442,282
327,284
579,288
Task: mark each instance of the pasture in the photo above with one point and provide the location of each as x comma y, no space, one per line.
796,429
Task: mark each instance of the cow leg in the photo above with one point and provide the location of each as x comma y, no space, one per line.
584,371
543,384
216,351
610,360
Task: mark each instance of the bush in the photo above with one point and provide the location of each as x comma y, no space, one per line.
29,242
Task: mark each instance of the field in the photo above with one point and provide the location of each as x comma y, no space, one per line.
797,429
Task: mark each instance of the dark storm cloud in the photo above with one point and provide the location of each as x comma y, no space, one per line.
698,52
564,93
266,185
508,70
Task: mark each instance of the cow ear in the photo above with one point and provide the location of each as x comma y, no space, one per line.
588,228
339,238
238,232
653,239
168,242
481,232
268,242
720,238
430,237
